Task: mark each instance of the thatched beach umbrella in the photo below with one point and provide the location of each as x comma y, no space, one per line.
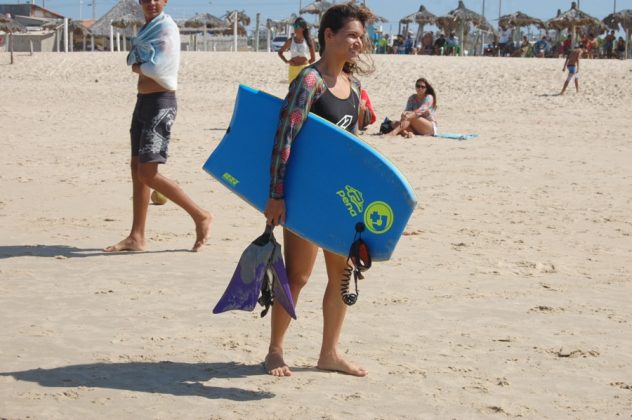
10,26
126,14
518,20
74,28
129,20
238,19
462,17
571,19
206,20
318,7
621,18
421,17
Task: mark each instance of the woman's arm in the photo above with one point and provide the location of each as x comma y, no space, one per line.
304,90
312,51
425,106
283,49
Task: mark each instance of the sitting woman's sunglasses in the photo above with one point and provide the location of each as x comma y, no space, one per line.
420,86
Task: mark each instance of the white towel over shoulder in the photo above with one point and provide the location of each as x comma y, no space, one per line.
157,50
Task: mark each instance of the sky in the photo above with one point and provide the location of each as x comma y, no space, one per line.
392,10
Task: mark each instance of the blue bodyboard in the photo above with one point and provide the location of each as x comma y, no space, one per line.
333,179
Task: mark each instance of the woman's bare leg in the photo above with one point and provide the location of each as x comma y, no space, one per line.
421,126
300,256
399,127
334,311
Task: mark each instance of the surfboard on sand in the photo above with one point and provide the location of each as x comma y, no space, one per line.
333,179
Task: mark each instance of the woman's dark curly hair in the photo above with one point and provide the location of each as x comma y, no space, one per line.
335,18
429,90
301,23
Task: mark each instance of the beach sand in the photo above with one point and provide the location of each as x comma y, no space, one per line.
508,296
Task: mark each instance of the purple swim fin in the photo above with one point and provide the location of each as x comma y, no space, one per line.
260,263
281,283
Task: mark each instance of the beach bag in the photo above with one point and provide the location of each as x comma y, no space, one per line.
386,126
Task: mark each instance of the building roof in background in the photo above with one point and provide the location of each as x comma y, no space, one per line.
30,10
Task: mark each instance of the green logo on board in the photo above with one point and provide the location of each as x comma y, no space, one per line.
352,199
378,217
230,179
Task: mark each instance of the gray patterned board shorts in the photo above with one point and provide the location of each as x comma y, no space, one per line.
153,117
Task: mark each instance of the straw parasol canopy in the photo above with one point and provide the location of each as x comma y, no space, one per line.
571,19
242,17
73,26
421,17
318,7
282,25
128,20
124,13
463,15
519,19
243,20
10,26
461,18
621,18
206,20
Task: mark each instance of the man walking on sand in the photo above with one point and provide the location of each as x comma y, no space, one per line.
155,56
572,64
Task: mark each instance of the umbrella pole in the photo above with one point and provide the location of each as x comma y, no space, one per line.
235,32
11,45
461,40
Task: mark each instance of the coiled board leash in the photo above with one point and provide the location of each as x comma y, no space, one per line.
358,261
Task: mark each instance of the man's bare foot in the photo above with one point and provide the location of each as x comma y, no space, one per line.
336,363
275,365
127,244
202,231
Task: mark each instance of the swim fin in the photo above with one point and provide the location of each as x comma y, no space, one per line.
260,271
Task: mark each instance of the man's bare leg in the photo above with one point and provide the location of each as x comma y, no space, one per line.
140,201
577,85
300,256
564,88
334,311
148,173
145,176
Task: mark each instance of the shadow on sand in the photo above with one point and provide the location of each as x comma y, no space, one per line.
51,251
175,378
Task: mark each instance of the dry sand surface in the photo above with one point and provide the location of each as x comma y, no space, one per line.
509,295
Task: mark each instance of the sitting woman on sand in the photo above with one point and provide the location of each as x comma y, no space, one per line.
419,116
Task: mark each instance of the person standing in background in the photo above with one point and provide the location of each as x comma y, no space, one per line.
301,47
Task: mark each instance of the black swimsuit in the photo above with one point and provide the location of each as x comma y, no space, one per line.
342,112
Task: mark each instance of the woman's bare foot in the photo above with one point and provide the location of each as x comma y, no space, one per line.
127,244
408,134
336,363
275,365
202,231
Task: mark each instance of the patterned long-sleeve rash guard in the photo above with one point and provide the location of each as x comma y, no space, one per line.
305,90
